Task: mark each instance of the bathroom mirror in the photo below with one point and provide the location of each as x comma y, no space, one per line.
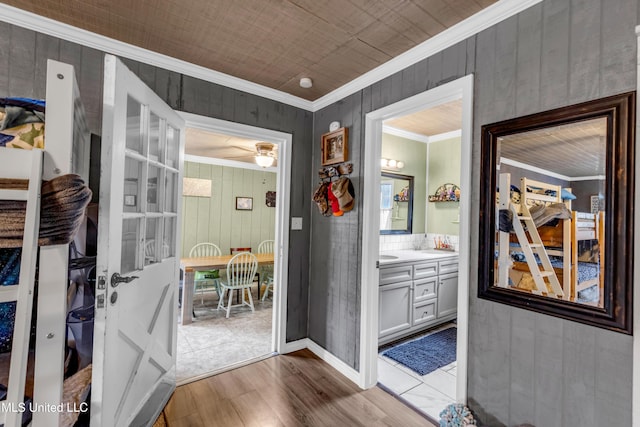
396,203
556,212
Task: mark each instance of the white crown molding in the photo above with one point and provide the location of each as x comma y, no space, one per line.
446,135
64,31
484,19
405,134
533,168
549,173
589,178
228,163
487,17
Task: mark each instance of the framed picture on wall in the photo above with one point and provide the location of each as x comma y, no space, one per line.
244,203
334,147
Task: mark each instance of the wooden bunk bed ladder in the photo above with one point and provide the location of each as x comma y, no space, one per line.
532,248
21,165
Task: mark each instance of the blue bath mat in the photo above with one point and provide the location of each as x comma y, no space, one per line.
428,353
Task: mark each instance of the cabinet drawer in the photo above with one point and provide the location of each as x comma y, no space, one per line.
426,269
424,289
424,312
397,274
448,266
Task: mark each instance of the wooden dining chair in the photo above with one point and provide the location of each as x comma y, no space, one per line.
234,251
241,270
207,279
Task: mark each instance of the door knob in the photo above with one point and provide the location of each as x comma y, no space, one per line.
116,279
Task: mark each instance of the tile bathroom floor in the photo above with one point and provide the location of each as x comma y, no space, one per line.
212,342
429,393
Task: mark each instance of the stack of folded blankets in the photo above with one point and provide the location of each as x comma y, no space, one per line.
63,204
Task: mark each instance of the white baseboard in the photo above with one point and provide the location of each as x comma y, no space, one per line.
326,356
334,362
292,346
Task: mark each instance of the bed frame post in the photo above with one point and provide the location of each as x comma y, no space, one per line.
66,151
504,260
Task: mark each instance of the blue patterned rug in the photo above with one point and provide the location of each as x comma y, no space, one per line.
428,353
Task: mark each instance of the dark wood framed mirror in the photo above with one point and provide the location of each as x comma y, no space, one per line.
396,203
556,212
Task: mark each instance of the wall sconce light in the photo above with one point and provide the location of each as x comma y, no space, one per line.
391,164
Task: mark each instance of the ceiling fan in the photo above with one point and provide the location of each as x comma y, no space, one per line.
264,154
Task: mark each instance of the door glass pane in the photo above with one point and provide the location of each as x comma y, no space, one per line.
152,240
134,135
173,146
132,180
155,147
153,195
171,192
130,242
170,237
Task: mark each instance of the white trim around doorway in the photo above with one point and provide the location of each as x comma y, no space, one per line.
283,191
461,88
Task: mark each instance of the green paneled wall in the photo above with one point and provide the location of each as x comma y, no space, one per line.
444,167
216,219
414,156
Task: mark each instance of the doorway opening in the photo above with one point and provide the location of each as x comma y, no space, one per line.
420,241
230,205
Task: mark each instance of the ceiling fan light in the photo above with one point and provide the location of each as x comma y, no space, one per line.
264,160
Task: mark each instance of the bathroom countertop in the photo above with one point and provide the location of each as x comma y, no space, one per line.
401,256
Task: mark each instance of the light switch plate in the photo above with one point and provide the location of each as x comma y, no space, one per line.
296,223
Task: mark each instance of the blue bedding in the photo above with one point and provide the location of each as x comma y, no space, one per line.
9,274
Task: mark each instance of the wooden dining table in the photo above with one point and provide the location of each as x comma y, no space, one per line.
189,266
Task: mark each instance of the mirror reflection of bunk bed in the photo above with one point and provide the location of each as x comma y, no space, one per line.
553,254
66,151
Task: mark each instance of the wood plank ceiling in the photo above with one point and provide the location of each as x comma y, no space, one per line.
575,150
270,42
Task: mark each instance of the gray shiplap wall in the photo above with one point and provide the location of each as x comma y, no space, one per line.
23,63
523,366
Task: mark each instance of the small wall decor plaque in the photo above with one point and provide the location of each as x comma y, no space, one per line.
271,199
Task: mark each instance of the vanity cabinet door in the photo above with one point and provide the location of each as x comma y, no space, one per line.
395,308
447,294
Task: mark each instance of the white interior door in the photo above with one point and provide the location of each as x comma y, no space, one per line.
135,325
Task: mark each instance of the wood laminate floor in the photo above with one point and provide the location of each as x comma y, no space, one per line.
296,389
